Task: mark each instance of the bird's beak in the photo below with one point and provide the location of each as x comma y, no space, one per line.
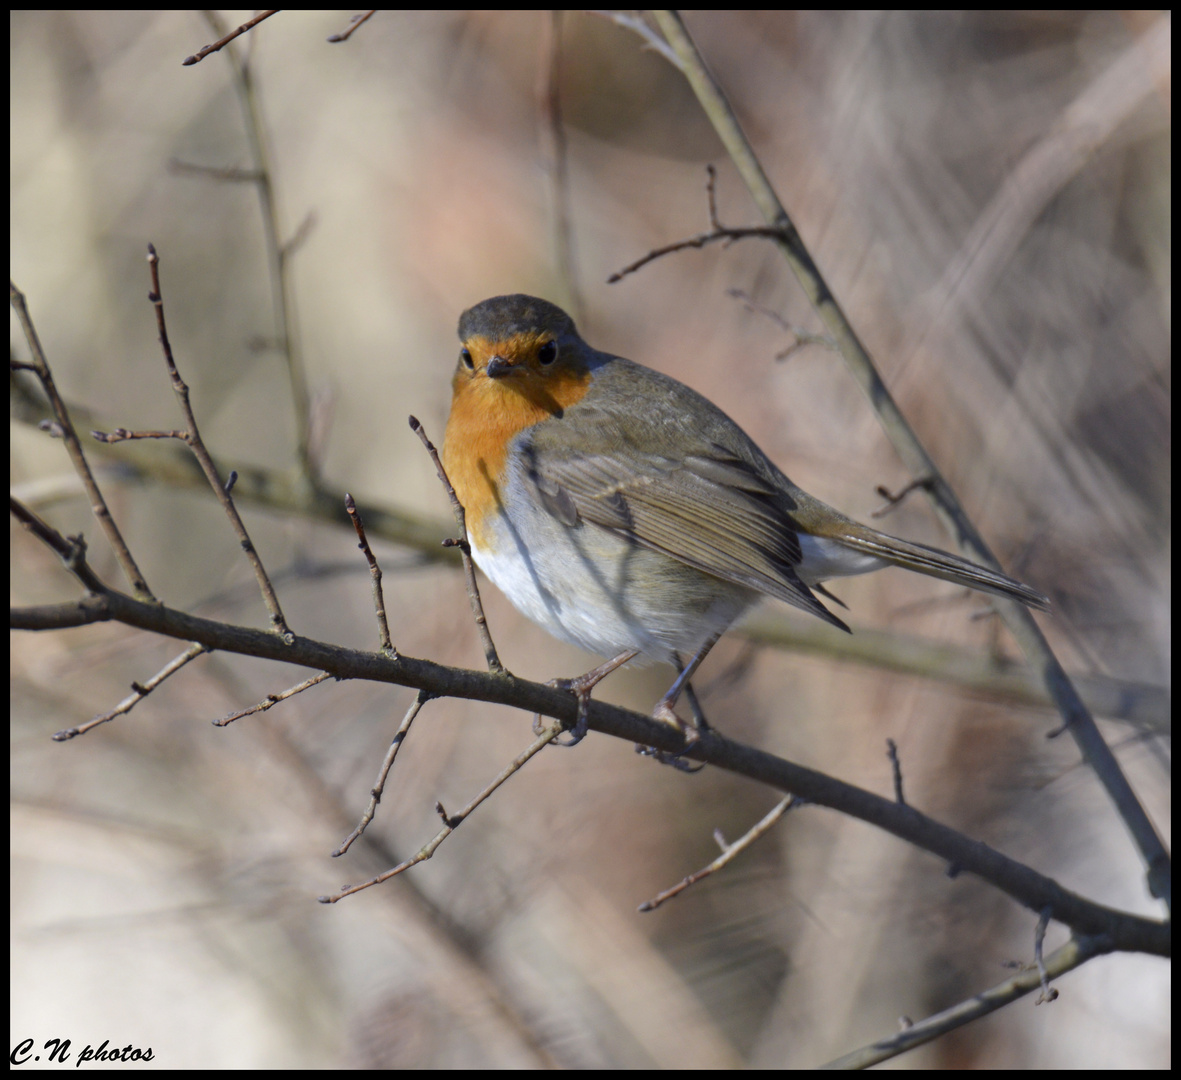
498,367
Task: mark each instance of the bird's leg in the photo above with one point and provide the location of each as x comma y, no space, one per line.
664,707
691,734
699,720
582,686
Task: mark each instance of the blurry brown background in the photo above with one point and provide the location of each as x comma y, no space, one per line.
164,871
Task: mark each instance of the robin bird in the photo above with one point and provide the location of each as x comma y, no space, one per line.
626,513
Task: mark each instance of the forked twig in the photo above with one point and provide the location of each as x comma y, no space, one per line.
729,853
450,822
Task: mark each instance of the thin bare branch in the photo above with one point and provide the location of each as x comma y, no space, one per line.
355,22
729,853
271,700
473,590
196,58
65,430
375,793
896,768
383,626
193,438
283,306
451,822
1073,954
139,691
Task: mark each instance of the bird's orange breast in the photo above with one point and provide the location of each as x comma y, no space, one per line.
488,413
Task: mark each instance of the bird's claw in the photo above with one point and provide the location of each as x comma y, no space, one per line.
664,714
581,725
666,758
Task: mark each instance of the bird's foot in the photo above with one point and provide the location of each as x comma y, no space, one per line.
691,733
581,688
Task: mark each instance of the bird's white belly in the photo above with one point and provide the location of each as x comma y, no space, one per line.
600,592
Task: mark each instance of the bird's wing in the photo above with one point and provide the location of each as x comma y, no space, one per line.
711,509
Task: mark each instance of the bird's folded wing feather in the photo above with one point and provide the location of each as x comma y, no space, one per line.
710,509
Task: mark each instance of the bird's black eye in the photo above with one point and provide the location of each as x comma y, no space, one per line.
548,353
465,358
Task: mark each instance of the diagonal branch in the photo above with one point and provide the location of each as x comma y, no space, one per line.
1078,719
